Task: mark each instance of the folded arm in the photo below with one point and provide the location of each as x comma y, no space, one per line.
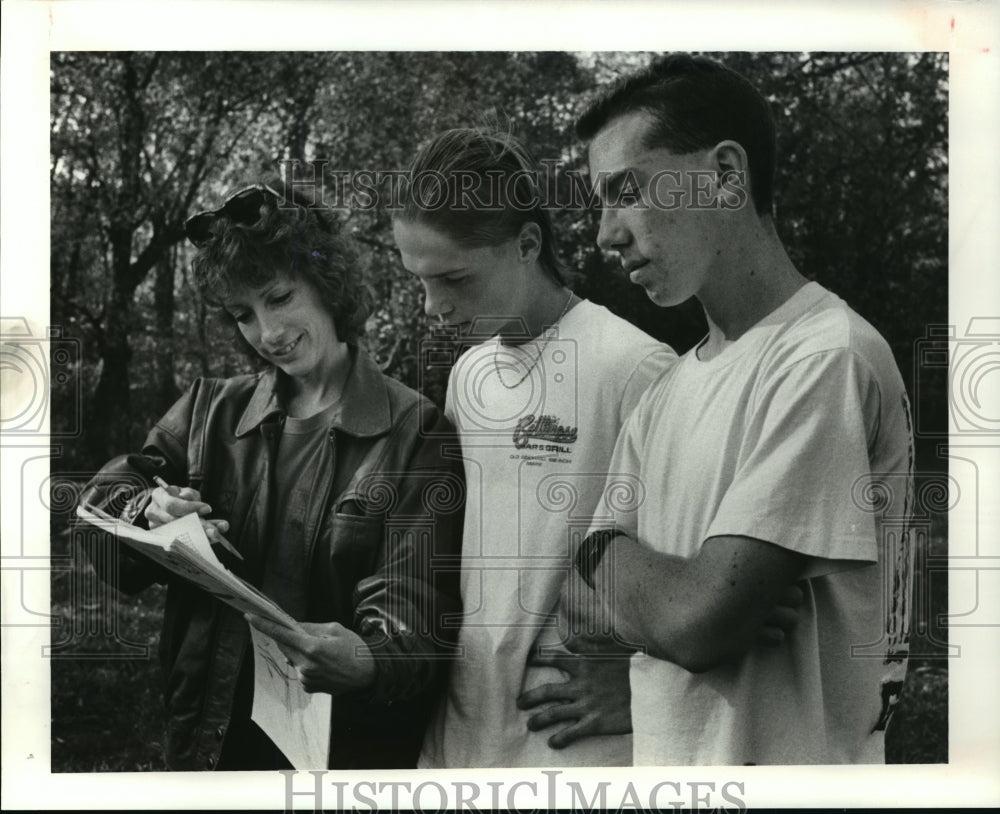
595,698
697,613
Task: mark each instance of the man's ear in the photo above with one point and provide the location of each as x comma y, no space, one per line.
733,183
529,242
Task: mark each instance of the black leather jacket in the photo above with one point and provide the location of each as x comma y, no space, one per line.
383,527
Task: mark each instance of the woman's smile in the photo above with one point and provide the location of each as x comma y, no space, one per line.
286,349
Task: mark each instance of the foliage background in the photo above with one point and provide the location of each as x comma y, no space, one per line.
141,140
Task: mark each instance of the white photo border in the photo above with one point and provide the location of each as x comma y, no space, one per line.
968,31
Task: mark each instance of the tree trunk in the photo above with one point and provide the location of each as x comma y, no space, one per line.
109,414
163,302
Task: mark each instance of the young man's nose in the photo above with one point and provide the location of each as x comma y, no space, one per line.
611,235
435,306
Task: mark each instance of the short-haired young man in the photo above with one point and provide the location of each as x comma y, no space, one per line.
778,449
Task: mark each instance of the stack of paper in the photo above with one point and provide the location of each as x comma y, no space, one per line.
183,547
298,722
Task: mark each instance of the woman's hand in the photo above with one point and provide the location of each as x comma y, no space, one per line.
167,503
329,657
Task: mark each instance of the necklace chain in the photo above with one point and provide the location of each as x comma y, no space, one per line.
549,332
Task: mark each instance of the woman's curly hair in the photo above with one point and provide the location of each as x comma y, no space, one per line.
302,241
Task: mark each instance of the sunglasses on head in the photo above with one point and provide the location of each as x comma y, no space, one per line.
241,207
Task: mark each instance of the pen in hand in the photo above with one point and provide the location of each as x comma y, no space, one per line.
173,491
216,535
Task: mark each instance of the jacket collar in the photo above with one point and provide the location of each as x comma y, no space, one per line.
364,407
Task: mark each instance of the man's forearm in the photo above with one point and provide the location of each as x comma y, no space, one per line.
638,593
697,613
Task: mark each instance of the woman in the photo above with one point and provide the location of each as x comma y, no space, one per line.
305,468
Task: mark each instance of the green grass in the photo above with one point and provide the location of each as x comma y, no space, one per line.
107,712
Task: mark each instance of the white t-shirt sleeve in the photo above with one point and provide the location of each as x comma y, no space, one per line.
623,491
802,458
645,374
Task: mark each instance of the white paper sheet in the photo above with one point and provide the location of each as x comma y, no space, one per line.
297,721
182,547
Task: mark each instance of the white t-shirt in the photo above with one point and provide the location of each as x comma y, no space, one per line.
787,436
536,447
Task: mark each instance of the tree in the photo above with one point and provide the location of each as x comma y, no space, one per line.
134,138
141,140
